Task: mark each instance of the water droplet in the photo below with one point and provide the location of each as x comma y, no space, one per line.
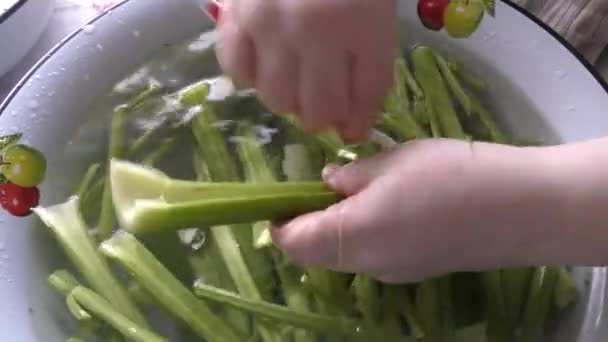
136,33
89,29
33,115
571,108
13,113
33,104
492,34
87,77
37,76
99,47
1,245
560,74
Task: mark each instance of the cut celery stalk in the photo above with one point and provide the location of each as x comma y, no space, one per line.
99,307
72,234
146,200
438,101
307,320
124,249
453,84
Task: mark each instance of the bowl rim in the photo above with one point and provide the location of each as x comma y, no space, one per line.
6,101
11,10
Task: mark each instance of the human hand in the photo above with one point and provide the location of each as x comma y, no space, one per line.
432,207
328,62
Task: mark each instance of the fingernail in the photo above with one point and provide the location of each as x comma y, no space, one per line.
329,172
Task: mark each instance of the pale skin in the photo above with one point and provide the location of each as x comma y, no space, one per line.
427,207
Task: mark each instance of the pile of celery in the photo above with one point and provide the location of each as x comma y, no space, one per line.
198,250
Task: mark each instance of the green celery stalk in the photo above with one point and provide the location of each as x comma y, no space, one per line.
453,84
146,200
72,234
209,264
102,309
367,298
471,81
307,320
498,327
538,304
87,180
446,303
439,104
124,249
235,244
399,299
515,283
329,141
428,309
117,149
565,289
257,170
486,119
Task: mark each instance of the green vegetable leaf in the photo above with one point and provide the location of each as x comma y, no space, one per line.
490,6
9,140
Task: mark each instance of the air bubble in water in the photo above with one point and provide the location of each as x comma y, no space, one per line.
89,29
99,47
87,77
571,108
136,33
199,240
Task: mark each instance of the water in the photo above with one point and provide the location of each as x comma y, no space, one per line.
173,69
33,104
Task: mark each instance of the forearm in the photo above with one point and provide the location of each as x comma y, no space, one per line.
550,202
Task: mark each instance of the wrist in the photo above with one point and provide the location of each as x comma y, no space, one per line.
525,201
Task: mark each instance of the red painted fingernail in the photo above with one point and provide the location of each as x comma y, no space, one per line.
213,10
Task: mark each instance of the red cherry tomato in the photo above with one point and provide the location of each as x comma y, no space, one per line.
17,200
430,13
213,8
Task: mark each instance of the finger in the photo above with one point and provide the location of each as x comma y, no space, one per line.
277,79
352,178
338,238
369,88
323,91
235,50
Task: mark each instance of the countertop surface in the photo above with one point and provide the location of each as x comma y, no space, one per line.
70,14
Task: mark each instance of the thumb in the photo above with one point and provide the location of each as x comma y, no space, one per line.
352,178
331,238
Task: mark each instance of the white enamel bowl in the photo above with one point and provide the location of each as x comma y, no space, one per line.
538,86
22,22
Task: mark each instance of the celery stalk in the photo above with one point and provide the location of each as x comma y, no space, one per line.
234,241
73,236
146,200
257,170
538,303
498,328
101,308
438,102
565,289
124,249
117,149
453,84
307,320
366,293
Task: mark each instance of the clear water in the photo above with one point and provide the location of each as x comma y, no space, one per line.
172,68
